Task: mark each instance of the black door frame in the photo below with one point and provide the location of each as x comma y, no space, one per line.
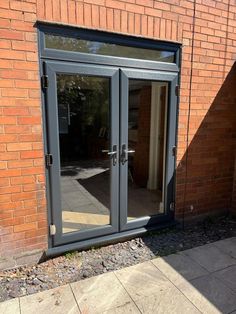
168,72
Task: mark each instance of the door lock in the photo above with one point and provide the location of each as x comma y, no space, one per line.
112,154
124,154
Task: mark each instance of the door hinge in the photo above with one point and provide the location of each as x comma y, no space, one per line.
174,151
44,80
172,206
52,229
48,160
177,90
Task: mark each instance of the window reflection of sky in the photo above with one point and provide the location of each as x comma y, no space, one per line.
102,48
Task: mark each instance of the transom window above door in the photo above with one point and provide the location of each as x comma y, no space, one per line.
108,49
99,47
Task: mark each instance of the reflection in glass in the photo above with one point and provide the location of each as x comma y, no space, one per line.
84,128
101,48
146,137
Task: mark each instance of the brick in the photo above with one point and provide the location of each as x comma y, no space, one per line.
137,24
9,173
25,65
41,8
25,227
95,16
5,4
20,164
115,4
71,12
31,154
9,190
27,84
22,26
134,8
15,147
10,14
88,15
24,45
21,93
64,11
29,120
9,156
7,120
22,180
5,23
4,182
96,2
131,23
80,13
23,6
14,74
7,138
153,12
102,17
13,55
6,83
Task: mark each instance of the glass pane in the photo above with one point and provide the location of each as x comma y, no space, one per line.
101,48
146,137
84,130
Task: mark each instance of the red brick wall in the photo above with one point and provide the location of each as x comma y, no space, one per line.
205,156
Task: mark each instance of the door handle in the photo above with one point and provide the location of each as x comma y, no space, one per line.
129,151
124,154
112,154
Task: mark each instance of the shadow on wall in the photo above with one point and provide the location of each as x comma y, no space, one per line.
205,174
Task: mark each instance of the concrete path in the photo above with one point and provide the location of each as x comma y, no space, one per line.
200,280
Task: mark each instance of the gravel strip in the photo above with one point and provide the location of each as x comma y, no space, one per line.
79,265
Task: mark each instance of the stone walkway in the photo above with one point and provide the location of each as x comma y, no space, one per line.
199,280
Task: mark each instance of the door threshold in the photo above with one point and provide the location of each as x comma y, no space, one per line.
106,240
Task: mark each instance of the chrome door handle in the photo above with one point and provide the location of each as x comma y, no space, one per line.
129,151
108,152
124,154
112,154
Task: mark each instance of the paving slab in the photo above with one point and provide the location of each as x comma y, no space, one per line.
169,300
10,307
227,276
57,301
200,280
128,308
209,295
179,267
99,294
142,280
228,246
210,257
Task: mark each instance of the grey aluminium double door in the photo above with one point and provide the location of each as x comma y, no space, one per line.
110,133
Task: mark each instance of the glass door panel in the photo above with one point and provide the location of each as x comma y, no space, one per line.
84,136
148,111
146,143
83,140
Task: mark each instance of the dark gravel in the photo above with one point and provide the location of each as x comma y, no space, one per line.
79,265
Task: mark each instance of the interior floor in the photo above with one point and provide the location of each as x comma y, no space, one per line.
86,197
